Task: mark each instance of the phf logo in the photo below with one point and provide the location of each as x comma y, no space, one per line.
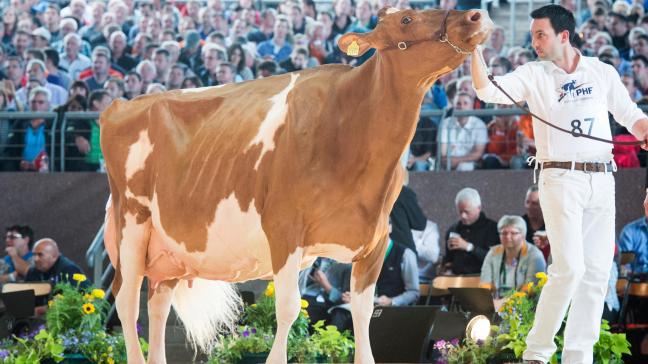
573,90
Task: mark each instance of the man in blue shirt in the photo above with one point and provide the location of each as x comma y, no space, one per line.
14,266
634,238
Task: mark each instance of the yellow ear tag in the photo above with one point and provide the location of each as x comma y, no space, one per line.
353,49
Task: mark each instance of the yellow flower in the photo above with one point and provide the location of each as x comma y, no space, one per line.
50,303
110,348
58,296
88,297
304,312
88,308
99,293
253,305
79,277
269,292
527,287
304,304
541,275
110,361
519,294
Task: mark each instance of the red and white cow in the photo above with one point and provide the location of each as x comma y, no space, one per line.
256,180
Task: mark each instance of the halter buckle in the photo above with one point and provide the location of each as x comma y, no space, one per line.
402,46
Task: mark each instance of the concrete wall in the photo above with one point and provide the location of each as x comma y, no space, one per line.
69,207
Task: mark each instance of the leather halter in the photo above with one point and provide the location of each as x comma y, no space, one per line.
443,38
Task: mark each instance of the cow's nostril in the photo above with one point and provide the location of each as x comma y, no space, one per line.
476,16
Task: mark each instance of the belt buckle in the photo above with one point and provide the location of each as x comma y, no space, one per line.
585,168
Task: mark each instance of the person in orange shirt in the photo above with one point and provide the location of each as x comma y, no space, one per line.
503,149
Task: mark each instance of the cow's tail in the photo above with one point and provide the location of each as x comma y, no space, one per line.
206,308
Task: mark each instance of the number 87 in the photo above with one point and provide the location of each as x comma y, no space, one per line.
576,126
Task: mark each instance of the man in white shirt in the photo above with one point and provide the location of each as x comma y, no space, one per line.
462,139
576,183
72,59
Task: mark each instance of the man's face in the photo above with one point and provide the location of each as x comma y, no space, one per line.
133,84
44,257
39,102
78,8
118,44
224,75
17,240
36,71
72,46
299,60
101,104
638,68
52,18
640,46
281,29
176,76
14,71
616,26
113,89
463,102
22,42
468,213
532,204
100,65
39,42
544,39
211,60
161,62
67,28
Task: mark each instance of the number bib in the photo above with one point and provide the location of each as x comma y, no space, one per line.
579,106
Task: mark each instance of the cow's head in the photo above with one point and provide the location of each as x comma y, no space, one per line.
430,39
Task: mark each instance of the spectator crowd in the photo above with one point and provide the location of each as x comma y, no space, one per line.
79,55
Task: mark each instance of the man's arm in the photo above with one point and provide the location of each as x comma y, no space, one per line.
514,83
409,273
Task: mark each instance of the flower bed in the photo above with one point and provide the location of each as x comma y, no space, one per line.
74,331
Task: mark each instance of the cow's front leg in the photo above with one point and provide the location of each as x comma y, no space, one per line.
287,301
363,284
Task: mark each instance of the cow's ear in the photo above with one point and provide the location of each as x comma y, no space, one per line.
354,44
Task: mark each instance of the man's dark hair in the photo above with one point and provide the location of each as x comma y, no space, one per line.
25,231
560,18
96,95
52,55
269,66
134,73
641,58
36,53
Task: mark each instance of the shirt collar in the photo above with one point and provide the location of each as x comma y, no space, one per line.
583,63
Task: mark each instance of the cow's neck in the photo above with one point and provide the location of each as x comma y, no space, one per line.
390,102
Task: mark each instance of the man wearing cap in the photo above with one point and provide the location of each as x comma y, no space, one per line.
40,37
36,70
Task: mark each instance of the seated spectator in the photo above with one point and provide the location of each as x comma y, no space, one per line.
398,282
326,286
18,242
297,61
514,262
236,55
610,55
30,143
463,139
36,70
634,238
55,74
469,239
534,220
72,58
133,85
86,133
6,125
225,73
100,71
640,71
191,82
266,69
51,266
212,56
115,87
155,88
277,48
503,137
177,74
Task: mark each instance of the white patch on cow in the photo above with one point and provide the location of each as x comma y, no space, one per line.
392,10
137,154
361,309
199,89
336,252
485,26
237,247
274,119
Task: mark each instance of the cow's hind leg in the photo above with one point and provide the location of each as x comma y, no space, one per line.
363,284
132,260
159,305
287,303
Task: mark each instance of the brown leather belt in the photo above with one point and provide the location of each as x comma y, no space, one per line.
581,166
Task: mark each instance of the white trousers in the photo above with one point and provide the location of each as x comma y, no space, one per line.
578,210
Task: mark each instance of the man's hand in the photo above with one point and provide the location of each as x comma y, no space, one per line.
11,251
384,301
457,243
640,131
346,297
321,279
82,144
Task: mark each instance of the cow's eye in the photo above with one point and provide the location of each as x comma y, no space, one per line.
406,20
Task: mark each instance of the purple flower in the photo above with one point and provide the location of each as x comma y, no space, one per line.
246,333
480,342
253,330
454,342
4,354
440,344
